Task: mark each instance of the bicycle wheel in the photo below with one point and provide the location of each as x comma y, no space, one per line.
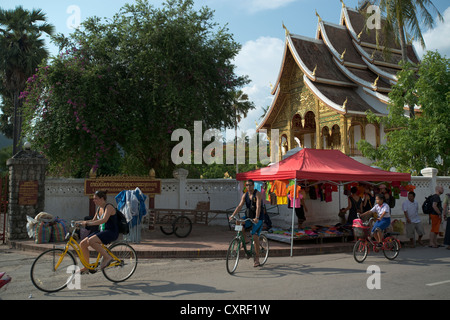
182,226
391,249
45,277
119,271
167,224
263,249
233,255
360,251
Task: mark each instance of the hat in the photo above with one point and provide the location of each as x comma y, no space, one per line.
382,186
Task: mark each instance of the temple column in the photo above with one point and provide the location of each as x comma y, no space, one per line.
344,135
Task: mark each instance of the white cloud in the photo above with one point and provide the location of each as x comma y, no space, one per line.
437,38
260,59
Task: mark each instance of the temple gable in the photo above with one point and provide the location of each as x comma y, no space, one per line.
326,86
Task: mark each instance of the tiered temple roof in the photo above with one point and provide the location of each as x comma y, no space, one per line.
342,66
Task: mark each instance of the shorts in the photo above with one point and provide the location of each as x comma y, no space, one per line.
435,223
256,228
382,224
106,236
411,229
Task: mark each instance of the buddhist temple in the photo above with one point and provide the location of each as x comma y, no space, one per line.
326,85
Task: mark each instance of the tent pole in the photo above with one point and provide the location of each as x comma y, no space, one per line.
293,214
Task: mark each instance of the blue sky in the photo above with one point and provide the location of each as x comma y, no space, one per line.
255,24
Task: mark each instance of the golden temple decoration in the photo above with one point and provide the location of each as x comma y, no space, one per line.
344,105
320,19
376,81
343,4
343,54
314,71
285,29
360,34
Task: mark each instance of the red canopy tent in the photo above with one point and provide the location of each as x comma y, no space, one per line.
321,165
315,164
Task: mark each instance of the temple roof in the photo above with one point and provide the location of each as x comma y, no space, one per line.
342,67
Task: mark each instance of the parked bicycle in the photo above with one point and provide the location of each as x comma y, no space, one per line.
233,252
390,245
54,269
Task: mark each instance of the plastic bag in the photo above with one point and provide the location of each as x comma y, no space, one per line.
31,226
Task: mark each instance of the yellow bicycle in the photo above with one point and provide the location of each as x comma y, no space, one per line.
54,269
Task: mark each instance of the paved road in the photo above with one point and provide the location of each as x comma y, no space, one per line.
420,273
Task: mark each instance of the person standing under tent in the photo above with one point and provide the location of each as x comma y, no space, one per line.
354,205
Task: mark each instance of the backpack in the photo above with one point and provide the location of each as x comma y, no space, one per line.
122,224
427,206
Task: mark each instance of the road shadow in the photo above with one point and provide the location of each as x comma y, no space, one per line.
138,289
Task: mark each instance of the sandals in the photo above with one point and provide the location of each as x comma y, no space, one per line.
83,271
256,264
103,266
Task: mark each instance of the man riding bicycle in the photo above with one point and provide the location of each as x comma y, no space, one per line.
253,200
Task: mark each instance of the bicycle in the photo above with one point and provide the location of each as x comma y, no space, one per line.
55,268
390,245
235,246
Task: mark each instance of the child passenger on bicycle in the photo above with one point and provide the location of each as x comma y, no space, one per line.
382,210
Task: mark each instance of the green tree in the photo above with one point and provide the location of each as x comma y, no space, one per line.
21,50
423,141
121,86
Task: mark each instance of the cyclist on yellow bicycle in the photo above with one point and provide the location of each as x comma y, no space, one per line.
105,217
253,200
382,210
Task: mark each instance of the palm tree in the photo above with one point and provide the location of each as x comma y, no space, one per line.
403,16
241,106
21,51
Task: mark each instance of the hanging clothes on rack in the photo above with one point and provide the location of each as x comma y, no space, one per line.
132,205
279,187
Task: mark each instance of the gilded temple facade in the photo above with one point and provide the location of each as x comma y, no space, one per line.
327,84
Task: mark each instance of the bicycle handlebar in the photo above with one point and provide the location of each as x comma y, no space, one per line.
243,220
74,224
368,221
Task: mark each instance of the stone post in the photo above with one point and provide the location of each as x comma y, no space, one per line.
26,191
181,176
431,173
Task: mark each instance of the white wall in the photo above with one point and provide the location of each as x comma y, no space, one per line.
65,197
